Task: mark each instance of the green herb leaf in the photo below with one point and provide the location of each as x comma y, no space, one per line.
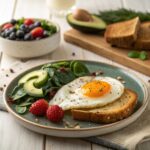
20,21
122,14
79,69
134,54
49,27
18,92
143,55
20,110
25,104
65,77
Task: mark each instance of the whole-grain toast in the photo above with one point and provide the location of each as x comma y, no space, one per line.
143,37
112,112
123,34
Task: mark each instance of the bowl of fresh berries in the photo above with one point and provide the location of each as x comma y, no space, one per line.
27,38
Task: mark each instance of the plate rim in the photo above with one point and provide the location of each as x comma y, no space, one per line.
17,116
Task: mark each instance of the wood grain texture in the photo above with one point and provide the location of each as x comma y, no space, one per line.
54,143
98,45
15,137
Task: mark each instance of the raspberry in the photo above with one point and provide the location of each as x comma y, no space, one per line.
55,113
39,107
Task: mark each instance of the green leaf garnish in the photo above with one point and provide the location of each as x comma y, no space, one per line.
20,109
134,54
143,55
122,14
79,69
49,27
18,92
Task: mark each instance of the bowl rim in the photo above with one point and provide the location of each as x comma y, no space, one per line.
32,41
17,116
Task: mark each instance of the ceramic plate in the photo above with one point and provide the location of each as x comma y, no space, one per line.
86,128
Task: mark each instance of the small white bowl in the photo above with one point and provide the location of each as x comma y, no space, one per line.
30,49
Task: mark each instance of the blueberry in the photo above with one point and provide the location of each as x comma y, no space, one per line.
20,34
13,21
31,27
28,37
3,34
7,32
12,36
12,29
37,24
23,27
45,33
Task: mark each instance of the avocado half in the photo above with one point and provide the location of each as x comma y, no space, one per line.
97,25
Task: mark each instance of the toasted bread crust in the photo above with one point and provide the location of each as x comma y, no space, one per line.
123,34
143,38
106,114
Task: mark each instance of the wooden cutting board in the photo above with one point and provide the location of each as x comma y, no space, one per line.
98,45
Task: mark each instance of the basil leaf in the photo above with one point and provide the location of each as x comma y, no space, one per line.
20,110
143,55
134,54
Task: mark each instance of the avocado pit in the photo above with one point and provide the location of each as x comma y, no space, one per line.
82,15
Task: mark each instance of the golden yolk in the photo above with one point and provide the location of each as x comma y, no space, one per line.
96,88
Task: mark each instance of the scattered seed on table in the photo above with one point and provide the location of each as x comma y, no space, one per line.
123,82
1,89
119,78
4,85
11,70
7,75
73,54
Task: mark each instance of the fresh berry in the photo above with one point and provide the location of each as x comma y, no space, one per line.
20,34
7,26
39,107
24,28
7,32
12,29
13,21
12,36
3,34
28,37
55,113
37,24
37,32
31,27
28,22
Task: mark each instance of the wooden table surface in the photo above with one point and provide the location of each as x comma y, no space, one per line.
14,136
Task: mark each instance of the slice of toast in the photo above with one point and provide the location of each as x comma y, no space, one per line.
123,34
143,37
110,113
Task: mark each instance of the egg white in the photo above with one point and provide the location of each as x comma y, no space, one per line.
71,96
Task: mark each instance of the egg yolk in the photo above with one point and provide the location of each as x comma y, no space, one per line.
96,88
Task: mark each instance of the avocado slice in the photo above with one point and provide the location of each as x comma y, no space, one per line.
41,77
94,26
31,90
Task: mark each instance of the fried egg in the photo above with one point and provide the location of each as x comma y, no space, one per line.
88,92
